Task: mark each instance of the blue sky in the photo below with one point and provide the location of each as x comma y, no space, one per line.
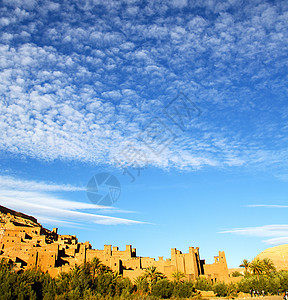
184,102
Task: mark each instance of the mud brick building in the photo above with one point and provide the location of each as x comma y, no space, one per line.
24,241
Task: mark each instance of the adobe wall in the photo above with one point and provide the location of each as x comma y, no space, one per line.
30,245
218,271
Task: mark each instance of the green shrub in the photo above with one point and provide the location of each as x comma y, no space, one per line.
105,284
203,284
283,280
85,284
184,289
270,284
236,274
123,286
220,289
162,288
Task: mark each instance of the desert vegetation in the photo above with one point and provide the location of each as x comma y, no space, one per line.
94,280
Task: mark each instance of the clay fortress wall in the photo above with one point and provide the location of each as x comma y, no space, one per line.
24,241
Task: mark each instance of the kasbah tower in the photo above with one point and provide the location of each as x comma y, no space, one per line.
25,242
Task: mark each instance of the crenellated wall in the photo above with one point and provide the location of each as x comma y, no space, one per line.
29,245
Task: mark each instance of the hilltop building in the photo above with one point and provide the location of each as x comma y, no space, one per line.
24,241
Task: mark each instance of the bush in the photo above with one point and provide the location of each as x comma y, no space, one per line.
283,280
270,284
220,289
81,283
105,284
162,288
183,289
236,274
203,284
123,287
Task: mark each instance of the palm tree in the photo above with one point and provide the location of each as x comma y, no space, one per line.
245,264
152,275
6,264
256,266
141,284
268,266
178,276
97,267
76,270
116,276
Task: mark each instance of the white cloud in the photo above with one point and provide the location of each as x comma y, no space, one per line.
35,198
265,231
282,177
268,205
28,185
277,241
4,21
85,87
44,206
179,3
278,233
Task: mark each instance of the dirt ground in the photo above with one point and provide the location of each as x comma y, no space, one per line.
257,298
249,298
264,298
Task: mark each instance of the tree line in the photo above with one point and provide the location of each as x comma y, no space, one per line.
258,266
94,280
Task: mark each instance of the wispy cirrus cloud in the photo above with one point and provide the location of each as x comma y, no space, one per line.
268,205
282,177
265,231
277,241
35,198
278,233
30,185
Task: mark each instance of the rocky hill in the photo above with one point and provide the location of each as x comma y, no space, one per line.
16,218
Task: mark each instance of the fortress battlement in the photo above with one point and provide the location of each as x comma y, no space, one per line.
25,242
